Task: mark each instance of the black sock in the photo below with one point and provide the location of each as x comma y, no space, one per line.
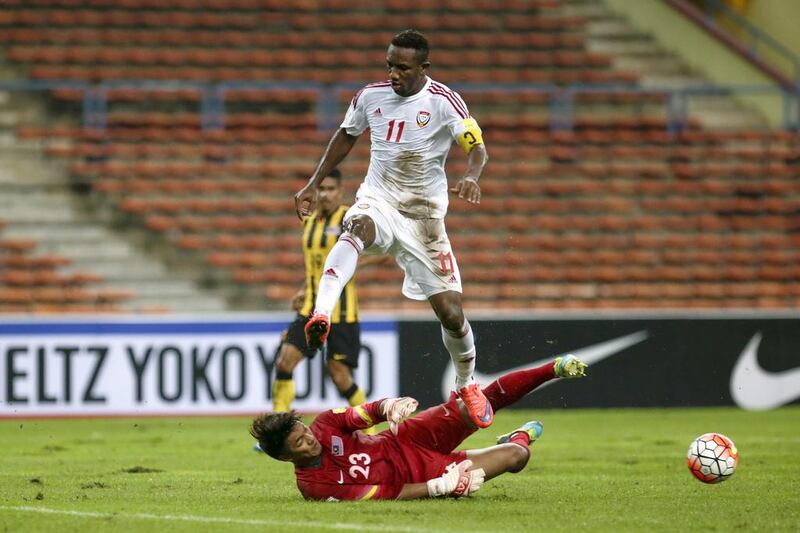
349,392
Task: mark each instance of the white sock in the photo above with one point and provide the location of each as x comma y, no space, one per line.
340,265
461,345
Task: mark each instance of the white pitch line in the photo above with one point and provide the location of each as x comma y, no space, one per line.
218,520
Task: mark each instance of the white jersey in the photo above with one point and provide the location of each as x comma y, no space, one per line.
410,138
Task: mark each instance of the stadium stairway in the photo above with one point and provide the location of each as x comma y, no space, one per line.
39,205
632,50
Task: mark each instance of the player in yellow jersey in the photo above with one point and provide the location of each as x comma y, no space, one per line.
320,231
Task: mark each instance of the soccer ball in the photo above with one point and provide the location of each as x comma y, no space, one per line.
712,458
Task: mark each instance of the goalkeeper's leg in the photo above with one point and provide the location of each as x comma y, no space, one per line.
509,388
499,459
513,453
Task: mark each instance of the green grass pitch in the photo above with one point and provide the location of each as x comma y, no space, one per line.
606,470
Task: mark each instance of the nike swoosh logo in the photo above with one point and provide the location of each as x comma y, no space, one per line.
341,477
589,355
487,415
757,389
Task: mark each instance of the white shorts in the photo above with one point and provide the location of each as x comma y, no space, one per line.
419,245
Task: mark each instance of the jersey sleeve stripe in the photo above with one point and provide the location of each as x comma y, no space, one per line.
450,98
363,414
369,86
452,93
370,493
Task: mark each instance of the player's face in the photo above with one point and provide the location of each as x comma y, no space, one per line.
405,73
301,445
329,195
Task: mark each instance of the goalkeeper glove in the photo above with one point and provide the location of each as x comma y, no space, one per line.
457,481
398,409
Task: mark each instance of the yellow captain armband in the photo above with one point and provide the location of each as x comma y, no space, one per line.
471,137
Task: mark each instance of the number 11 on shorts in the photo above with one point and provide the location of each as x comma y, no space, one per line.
400,126
446,262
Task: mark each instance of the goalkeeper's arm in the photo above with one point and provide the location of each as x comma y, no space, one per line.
457,481
392,410
412,491
396,410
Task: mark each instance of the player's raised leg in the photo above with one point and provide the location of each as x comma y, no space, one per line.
317,328
569,366
512,453
508,389
340,265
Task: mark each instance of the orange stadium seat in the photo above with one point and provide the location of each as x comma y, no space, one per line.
618,212
31,283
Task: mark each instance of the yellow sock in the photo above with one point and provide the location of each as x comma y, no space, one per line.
358,397
282,395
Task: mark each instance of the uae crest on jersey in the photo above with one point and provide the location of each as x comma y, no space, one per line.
423,117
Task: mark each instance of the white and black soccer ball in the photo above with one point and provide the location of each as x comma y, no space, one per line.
712,458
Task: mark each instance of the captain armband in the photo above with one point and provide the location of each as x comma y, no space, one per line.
472,135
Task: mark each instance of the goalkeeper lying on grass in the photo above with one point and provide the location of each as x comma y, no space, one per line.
415,458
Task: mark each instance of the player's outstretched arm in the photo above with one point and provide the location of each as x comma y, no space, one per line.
457,481
467,187
338,147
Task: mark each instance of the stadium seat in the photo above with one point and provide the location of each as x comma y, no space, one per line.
617,212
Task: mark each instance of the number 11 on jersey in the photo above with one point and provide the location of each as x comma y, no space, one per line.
400,126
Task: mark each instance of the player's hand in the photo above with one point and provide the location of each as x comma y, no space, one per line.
457,481
469,482
398,409
468,189
305,200
298,300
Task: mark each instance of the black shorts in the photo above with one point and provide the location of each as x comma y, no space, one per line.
344,341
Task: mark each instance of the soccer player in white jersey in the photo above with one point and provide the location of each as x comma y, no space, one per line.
400,206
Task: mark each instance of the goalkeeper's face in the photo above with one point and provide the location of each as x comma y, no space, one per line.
301,445
406,73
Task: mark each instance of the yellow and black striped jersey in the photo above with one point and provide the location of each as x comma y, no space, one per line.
319,235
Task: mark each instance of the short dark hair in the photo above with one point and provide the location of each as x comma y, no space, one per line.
335,174
413,39
271,431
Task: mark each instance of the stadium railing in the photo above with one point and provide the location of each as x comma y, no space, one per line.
758,46
561,100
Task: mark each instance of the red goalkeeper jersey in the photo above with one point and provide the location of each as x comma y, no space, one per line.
354,466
